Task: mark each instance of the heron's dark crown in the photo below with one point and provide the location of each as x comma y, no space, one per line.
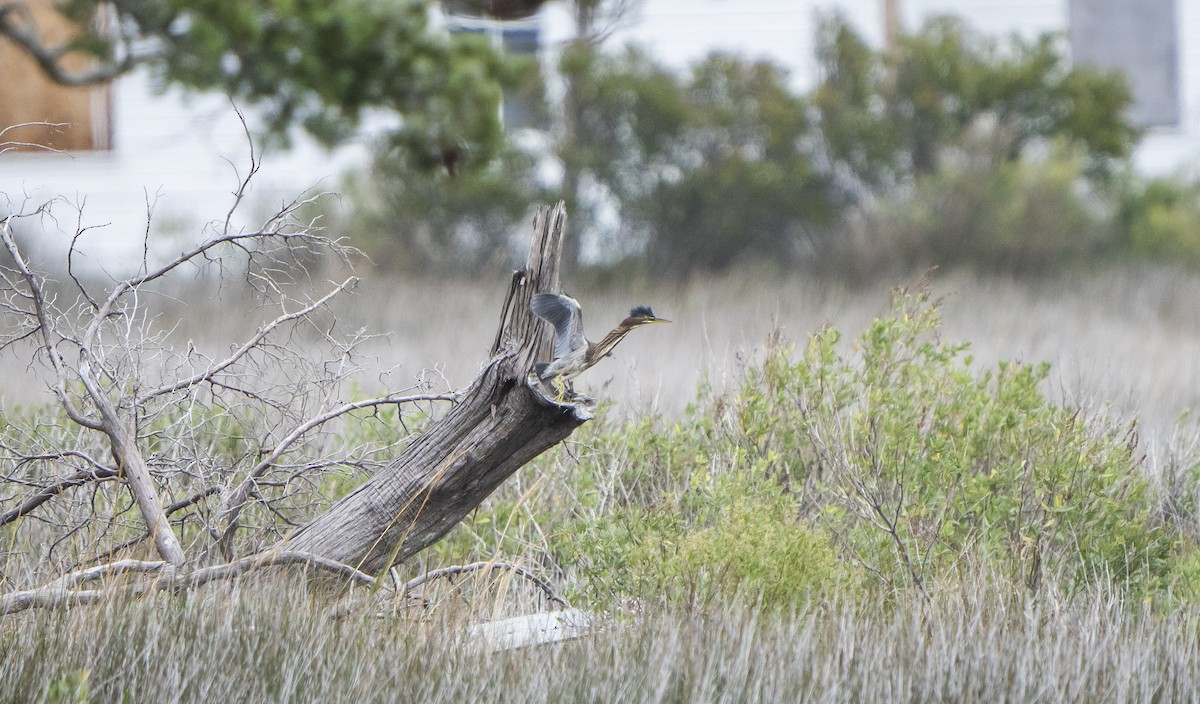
641,312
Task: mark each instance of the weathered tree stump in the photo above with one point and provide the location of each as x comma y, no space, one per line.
501,422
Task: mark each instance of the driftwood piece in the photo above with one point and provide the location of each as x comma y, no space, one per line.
501,422
534,629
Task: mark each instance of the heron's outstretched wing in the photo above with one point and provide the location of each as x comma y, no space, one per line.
564,314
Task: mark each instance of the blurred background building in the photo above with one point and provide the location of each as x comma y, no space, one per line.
131,143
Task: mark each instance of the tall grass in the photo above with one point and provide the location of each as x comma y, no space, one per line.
277,644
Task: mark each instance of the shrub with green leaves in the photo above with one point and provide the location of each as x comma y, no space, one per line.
1160,219
891,464
733,536
1021,216
924,467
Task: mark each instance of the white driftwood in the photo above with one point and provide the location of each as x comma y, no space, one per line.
531,630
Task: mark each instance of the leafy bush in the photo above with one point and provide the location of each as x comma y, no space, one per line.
923,467
735,536
894,466
745,539
1015,217
1160,219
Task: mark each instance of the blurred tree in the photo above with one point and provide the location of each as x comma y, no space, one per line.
410,218
316,64
886,117
594,20
861,143
704,169
626,111
743,182
419,218
727,162
697,172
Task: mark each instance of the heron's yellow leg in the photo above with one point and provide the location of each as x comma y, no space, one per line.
560,387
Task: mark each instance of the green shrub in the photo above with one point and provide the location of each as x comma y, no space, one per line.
924,467
1013,216
890,465
1184,576
1160,219
736,536
748,541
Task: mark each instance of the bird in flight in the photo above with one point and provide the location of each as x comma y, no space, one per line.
573,353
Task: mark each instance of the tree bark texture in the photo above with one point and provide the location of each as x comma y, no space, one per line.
501,422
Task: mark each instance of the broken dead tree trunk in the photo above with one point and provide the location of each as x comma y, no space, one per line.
501,422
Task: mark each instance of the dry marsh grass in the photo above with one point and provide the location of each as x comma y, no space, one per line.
1123,338
1126,338
276,643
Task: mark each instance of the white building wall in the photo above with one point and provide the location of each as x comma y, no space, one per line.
183,152
1176,150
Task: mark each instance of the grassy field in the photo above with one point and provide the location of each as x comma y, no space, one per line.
653,516
278,645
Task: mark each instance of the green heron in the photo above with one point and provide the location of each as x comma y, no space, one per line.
574,354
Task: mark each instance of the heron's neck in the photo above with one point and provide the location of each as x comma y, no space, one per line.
605,345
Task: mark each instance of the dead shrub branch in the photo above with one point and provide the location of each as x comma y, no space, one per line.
62,592
259,425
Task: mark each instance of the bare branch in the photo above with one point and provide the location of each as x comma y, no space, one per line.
20,125
246,347
238,497
59,592
78,479
177,506
235,238
137,474
9,145
111,569
46,328
243,183
277,558
478,566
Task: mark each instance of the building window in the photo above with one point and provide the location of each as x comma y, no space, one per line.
1139,37
523,105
